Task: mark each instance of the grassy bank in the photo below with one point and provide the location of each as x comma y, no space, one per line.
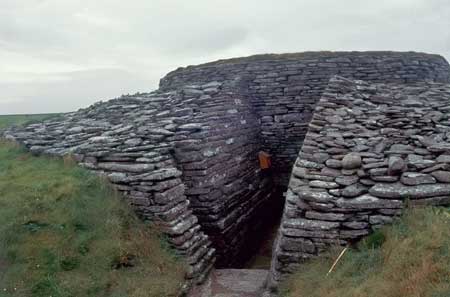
66,233
410,258
21,119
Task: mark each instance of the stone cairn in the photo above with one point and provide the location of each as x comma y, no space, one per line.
371,150
186,155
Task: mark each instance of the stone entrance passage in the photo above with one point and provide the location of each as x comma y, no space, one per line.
260,255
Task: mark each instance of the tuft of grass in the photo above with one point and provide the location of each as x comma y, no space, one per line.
64,232
22,119
409,258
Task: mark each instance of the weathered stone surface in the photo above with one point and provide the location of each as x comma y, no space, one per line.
323,184
441,176
161,174
333,119
169,195
295,183
326,216
330,172
300,172
313,196
321,157
336,164
400,191
385,179
399,148
309,224
309,164
367,182
297,245
367,202
335,192
396,165
293,232
351,161
346,180
443,158
436,167
356,225
413,179
191,127
354,190
102,139
135,168
440,148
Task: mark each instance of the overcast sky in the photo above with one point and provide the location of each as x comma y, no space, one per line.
61,55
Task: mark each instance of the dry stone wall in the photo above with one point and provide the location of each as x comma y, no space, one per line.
284,89
130,140
371,150
186,156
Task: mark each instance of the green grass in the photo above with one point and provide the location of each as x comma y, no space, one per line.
410,258
66,233
22,119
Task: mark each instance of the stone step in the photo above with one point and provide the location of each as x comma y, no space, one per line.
233,283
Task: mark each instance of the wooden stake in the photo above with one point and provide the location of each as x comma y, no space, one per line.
337,260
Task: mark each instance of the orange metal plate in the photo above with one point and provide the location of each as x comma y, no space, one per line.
264,160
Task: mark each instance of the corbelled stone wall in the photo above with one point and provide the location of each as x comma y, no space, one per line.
186,156
285,88
371,150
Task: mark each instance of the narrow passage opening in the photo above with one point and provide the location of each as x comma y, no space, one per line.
260,254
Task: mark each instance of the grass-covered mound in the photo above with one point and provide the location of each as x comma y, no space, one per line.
65,232
410,258
22,119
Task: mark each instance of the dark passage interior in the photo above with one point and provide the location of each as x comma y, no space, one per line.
260,255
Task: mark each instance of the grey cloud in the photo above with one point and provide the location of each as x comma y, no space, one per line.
73,91
136,42
206,42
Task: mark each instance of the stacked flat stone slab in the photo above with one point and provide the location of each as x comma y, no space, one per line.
371,149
